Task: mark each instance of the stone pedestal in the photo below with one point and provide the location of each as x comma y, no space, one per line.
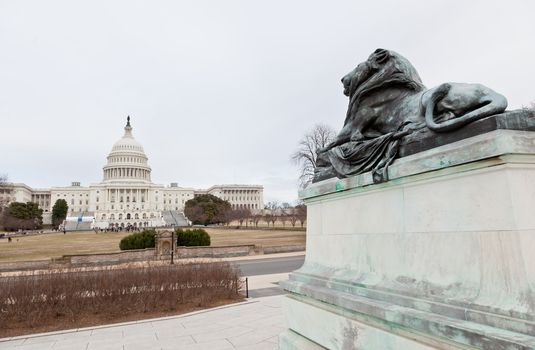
442,256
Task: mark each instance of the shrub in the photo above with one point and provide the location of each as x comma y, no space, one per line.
58,298
192,237
139,240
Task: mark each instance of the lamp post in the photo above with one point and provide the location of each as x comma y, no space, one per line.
172,247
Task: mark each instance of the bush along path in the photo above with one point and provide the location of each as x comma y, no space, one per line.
54,301
139,240
192,237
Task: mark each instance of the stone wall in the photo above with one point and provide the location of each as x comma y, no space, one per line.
111,258
149,254
283,249
24,265
214,252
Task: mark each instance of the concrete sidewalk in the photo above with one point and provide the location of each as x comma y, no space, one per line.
253,324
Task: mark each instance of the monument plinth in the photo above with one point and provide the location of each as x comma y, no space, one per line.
425,239
441,256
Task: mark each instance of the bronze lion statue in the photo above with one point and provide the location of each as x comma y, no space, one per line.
387,100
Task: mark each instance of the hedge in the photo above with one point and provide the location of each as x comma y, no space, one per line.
139,240
192,237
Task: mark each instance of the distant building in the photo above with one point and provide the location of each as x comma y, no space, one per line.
126,195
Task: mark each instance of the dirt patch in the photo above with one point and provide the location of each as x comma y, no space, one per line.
59,323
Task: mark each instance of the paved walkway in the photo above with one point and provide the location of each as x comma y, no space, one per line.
254,324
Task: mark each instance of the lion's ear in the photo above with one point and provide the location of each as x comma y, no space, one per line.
379,57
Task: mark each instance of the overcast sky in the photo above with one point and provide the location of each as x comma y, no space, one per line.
221,91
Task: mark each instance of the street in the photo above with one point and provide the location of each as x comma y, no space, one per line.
270,266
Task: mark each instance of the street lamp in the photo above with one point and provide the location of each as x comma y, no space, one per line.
172,247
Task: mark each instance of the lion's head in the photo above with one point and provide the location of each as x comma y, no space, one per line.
382,68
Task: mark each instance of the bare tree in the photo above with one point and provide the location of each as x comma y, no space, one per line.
267,217
256,219
270,212
241,215
305,155
283,217
301,213
292,217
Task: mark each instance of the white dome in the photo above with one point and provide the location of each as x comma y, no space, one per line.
127,160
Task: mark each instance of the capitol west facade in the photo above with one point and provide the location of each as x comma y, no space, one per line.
126,196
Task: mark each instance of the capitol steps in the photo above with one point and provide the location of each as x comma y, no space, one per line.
174,218
80,225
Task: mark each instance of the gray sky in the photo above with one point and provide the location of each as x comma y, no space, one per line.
221,91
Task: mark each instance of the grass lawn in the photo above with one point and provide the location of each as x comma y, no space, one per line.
54,245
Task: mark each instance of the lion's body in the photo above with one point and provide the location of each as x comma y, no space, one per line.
382,113
386,94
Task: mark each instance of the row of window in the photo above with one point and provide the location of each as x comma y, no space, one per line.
122,190
240,191
240,198
121,207
244,206
127,160
128,216
126,147
72,195
176,201
121,199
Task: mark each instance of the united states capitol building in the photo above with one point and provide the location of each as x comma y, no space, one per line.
126,196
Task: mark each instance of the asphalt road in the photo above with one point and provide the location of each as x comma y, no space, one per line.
270,266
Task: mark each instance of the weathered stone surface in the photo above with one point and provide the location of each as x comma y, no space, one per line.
491,147
442,254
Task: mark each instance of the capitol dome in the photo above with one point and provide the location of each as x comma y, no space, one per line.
127,160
